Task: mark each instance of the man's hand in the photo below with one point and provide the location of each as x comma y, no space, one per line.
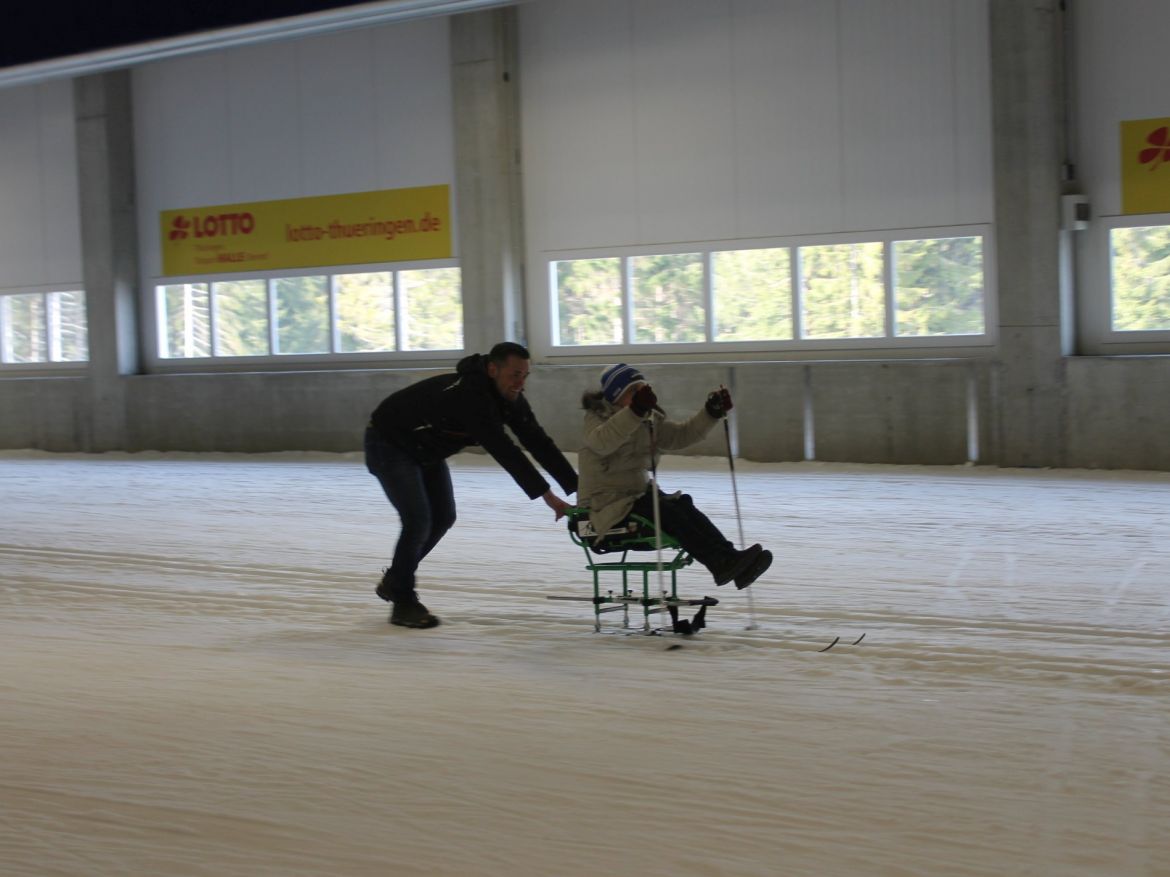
555,503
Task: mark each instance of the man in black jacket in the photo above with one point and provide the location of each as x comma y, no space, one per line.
414,431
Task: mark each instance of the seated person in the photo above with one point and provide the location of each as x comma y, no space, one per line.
614,462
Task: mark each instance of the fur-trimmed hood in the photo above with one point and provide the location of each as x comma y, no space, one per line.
595,401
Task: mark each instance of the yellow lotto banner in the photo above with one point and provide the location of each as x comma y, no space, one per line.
1145,166
393,225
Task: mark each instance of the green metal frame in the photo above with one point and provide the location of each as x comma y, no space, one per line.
622,546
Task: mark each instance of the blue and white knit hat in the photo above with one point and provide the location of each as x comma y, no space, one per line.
616,378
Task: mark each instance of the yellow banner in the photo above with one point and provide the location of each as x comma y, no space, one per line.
1145,166
393,225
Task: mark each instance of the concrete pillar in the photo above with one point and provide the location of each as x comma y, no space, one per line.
109,249
1027,88
487,176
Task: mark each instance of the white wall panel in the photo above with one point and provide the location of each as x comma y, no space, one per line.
183,135
897,113
40,243
347,112
22,233
972,102
336,81
684,119
58,157
752,118
264,118
412,82
787,135
578,124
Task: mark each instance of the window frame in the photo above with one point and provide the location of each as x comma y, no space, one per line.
1094,303
274,362
48,366
545,307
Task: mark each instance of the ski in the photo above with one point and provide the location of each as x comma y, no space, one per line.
838,639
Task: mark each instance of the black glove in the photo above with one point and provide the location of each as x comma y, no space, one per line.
644,399
719,403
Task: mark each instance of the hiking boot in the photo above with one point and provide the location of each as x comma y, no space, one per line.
385,588
412,613
734,564
758,568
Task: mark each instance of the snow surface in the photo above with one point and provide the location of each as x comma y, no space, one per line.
198,680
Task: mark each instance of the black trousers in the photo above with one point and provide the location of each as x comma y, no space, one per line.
425,501
693,529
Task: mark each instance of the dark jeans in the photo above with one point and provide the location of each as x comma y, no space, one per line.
693,529
424,499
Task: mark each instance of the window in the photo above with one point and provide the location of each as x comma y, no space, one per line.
753,294
241,317
432,309
1140,278
888,291
843,295
43,327
311,315
938,287
667,298
68,327
302,315
186,330
1123,285
25,329
365,312
590,299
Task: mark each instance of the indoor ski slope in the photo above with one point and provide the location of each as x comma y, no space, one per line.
198,679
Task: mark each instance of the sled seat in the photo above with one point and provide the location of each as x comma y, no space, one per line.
636,533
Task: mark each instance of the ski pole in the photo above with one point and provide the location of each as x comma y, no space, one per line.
657,514
738,516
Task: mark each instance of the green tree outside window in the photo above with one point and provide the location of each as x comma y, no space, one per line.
72,333
241,317
186,320
24,327
938,287
589,301
365,312
432,303
667,298
752,290
1140,267
302,314
843,291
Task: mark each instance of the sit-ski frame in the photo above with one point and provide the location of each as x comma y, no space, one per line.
623,540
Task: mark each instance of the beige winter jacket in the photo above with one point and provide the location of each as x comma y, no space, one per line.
614,463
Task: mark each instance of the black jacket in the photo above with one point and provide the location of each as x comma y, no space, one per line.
440,416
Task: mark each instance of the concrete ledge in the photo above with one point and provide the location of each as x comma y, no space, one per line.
865,412
891,413
1119,412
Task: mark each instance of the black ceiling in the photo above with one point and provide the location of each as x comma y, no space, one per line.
40,30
